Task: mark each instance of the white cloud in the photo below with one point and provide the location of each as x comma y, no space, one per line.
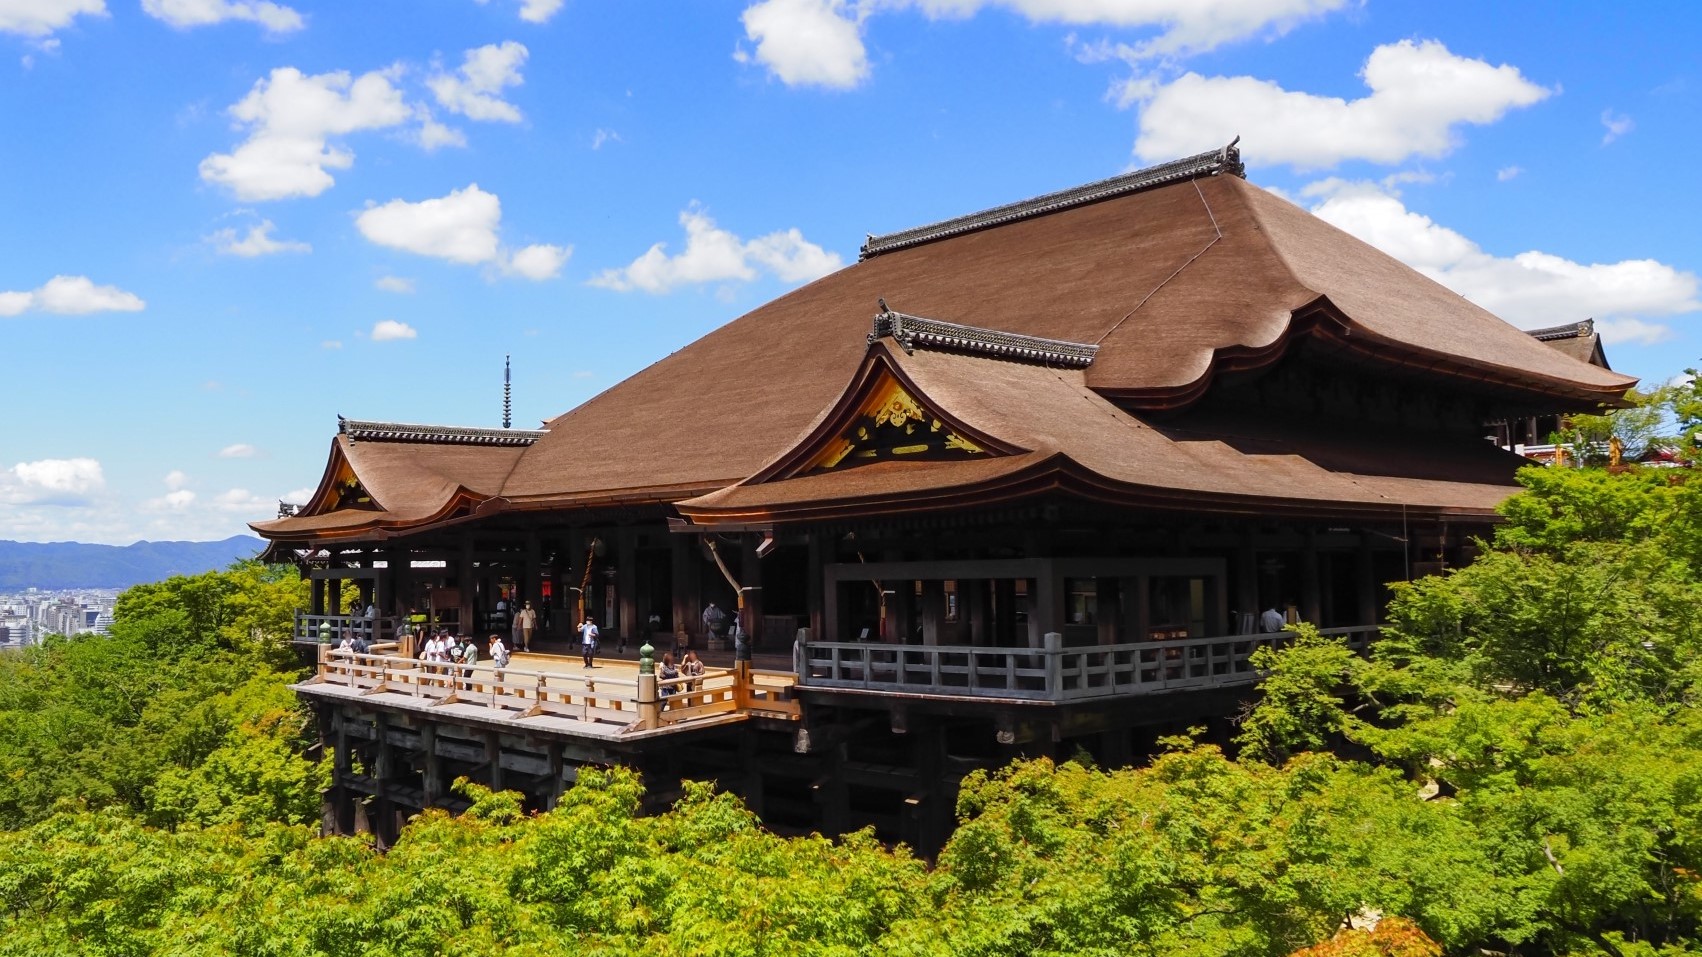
331,344
535,11
1506,173
1617,125
290,118
176,479
475,91
1185,26
297,496
395,284
39,18
713,254
537,262
820,42
184,14
1633,330
387,330
462,228
1420,93
51,482
601,137
807,42
70,296
1531,289
433,136
241,450
243,502
61,475
257,241
539,11
174,501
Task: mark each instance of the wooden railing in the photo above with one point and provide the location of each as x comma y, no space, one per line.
520,693
1049,673
374,629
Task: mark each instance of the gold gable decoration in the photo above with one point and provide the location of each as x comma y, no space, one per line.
893,426
347,492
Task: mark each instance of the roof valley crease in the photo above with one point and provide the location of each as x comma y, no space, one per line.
1061,336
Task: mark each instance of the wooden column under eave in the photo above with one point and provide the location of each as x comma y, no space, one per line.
817,591
529,585
316,595
933,610
1247,582
1366,577
688,590
1311,607
750,577
468,587
630,626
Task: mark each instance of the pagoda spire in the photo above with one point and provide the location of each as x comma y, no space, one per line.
507,396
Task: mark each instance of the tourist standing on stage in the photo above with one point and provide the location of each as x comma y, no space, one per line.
526,622
588,640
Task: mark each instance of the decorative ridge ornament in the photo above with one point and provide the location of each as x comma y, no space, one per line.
363,431
1572,330
1218,162
912,332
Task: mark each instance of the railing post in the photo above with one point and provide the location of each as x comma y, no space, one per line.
1053,648
649,702
742,684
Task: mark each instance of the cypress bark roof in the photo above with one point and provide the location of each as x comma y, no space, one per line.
1160,287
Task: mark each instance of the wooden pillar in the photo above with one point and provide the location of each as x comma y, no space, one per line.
818,599
1047,611
1247,581
432,766
316,593
933,610
688,590
901,611
1311,607
750,576
1004,612
493,758
975,608
631,623
833,796
1143,608
464,572
530,574
558,776
334,596
1109,615
1366,575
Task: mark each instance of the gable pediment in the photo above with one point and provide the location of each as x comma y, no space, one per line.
892,424
882,417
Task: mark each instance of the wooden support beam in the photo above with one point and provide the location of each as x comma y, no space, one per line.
630,624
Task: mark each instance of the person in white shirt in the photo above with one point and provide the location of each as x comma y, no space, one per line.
1271,620
588,640
524,623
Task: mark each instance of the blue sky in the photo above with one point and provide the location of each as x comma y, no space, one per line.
223,222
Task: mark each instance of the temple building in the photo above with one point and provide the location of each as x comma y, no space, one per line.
1023,481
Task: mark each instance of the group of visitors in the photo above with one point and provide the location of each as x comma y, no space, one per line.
667,670
444,648
524,623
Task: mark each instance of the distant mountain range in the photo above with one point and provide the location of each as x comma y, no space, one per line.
55,565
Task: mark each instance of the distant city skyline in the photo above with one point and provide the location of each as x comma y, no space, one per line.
226,223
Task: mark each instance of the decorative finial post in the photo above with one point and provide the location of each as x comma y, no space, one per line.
507,395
